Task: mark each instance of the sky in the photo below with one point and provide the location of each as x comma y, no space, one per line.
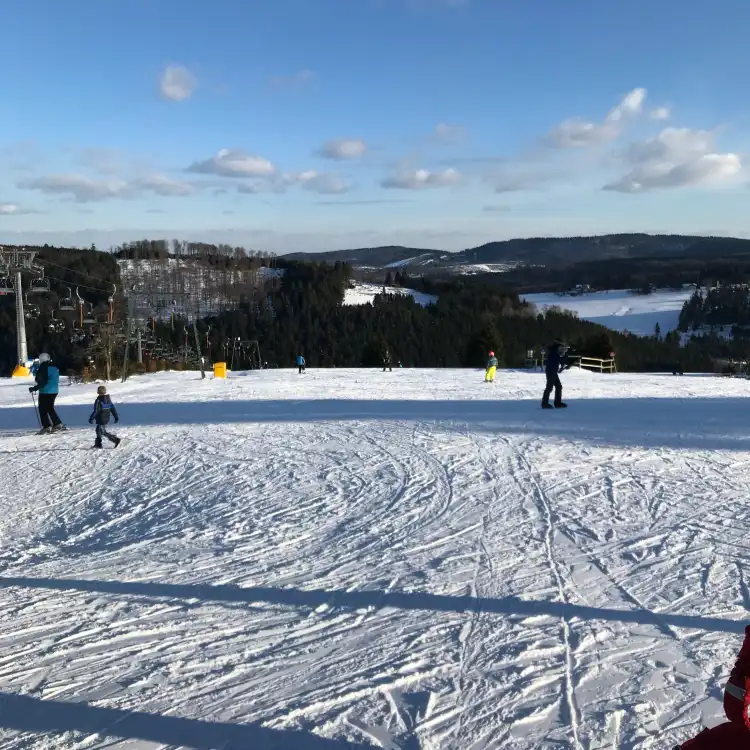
309,125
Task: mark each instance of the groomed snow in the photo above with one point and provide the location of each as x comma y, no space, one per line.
364,294
356,559
621,310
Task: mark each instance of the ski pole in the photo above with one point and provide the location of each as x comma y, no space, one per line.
38,419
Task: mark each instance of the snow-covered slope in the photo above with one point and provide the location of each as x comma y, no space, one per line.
356,559
363,294
621,310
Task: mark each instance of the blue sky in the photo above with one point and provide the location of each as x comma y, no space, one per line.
320,124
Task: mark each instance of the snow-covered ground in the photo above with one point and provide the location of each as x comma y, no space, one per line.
622,311
351,559
364,294
475,268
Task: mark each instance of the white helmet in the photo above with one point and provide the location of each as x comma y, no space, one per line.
44,357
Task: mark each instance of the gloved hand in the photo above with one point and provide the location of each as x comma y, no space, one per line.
91,421
32,389
117,421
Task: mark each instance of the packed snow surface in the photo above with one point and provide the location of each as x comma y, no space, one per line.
621,310
363,294
356,559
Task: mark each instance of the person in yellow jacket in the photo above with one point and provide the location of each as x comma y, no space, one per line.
489,375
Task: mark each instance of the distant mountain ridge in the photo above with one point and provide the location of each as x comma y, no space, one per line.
548,251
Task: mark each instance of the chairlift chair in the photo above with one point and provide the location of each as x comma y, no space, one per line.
67,304
56,325
88,315
40,285
30,312
6,285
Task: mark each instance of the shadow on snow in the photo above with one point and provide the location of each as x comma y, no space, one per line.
312,599
28,714
700,423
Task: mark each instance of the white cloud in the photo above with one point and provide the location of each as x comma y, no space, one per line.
576,132
296,80
164,186
82,189
420,179
177,83
326,184
316,182
234,163
343,148
660,113
9,209
677,157
631,104
87,190
445,132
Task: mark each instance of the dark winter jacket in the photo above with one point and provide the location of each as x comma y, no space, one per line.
491,362
556,360
103,407
47,378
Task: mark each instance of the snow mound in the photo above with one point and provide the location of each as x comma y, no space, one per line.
363,294
357,559
622,310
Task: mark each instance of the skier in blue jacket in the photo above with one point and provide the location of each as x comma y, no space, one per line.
301,364
47,383
103,409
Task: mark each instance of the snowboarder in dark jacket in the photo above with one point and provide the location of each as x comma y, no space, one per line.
103,409
387,361
557,361
47,379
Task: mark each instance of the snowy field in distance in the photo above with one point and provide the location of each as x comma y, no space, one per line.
364,294
354,559
620,310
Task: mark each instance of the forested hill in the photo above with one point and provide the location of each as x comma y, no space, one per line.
297,307
548,251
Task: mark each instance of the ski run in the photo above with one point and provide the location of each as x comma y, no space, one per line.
413,560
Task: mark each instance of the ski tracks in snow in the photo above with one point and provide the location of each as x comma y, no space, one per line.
387,560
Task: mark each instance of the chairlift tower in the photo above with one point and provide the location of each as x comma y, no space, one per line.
15,263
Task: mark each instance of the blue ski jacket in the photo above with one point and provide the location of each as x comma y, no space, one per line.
47,378
300,361
103,407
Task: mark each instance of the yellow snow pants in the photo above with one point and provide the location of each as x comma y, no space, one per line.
489,376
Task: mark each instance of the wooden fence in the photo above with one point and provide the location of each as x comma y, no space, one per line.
593,363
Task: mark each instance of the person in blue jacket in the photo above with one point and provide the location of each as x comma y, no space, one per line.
557,361
47,383
301,364
103,409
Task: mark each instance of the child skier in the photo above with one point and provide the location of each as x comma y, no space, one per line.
489,374
103,407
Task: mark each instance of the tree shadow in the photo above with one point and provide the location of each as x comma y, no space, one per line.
311,599
28,714
701,423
